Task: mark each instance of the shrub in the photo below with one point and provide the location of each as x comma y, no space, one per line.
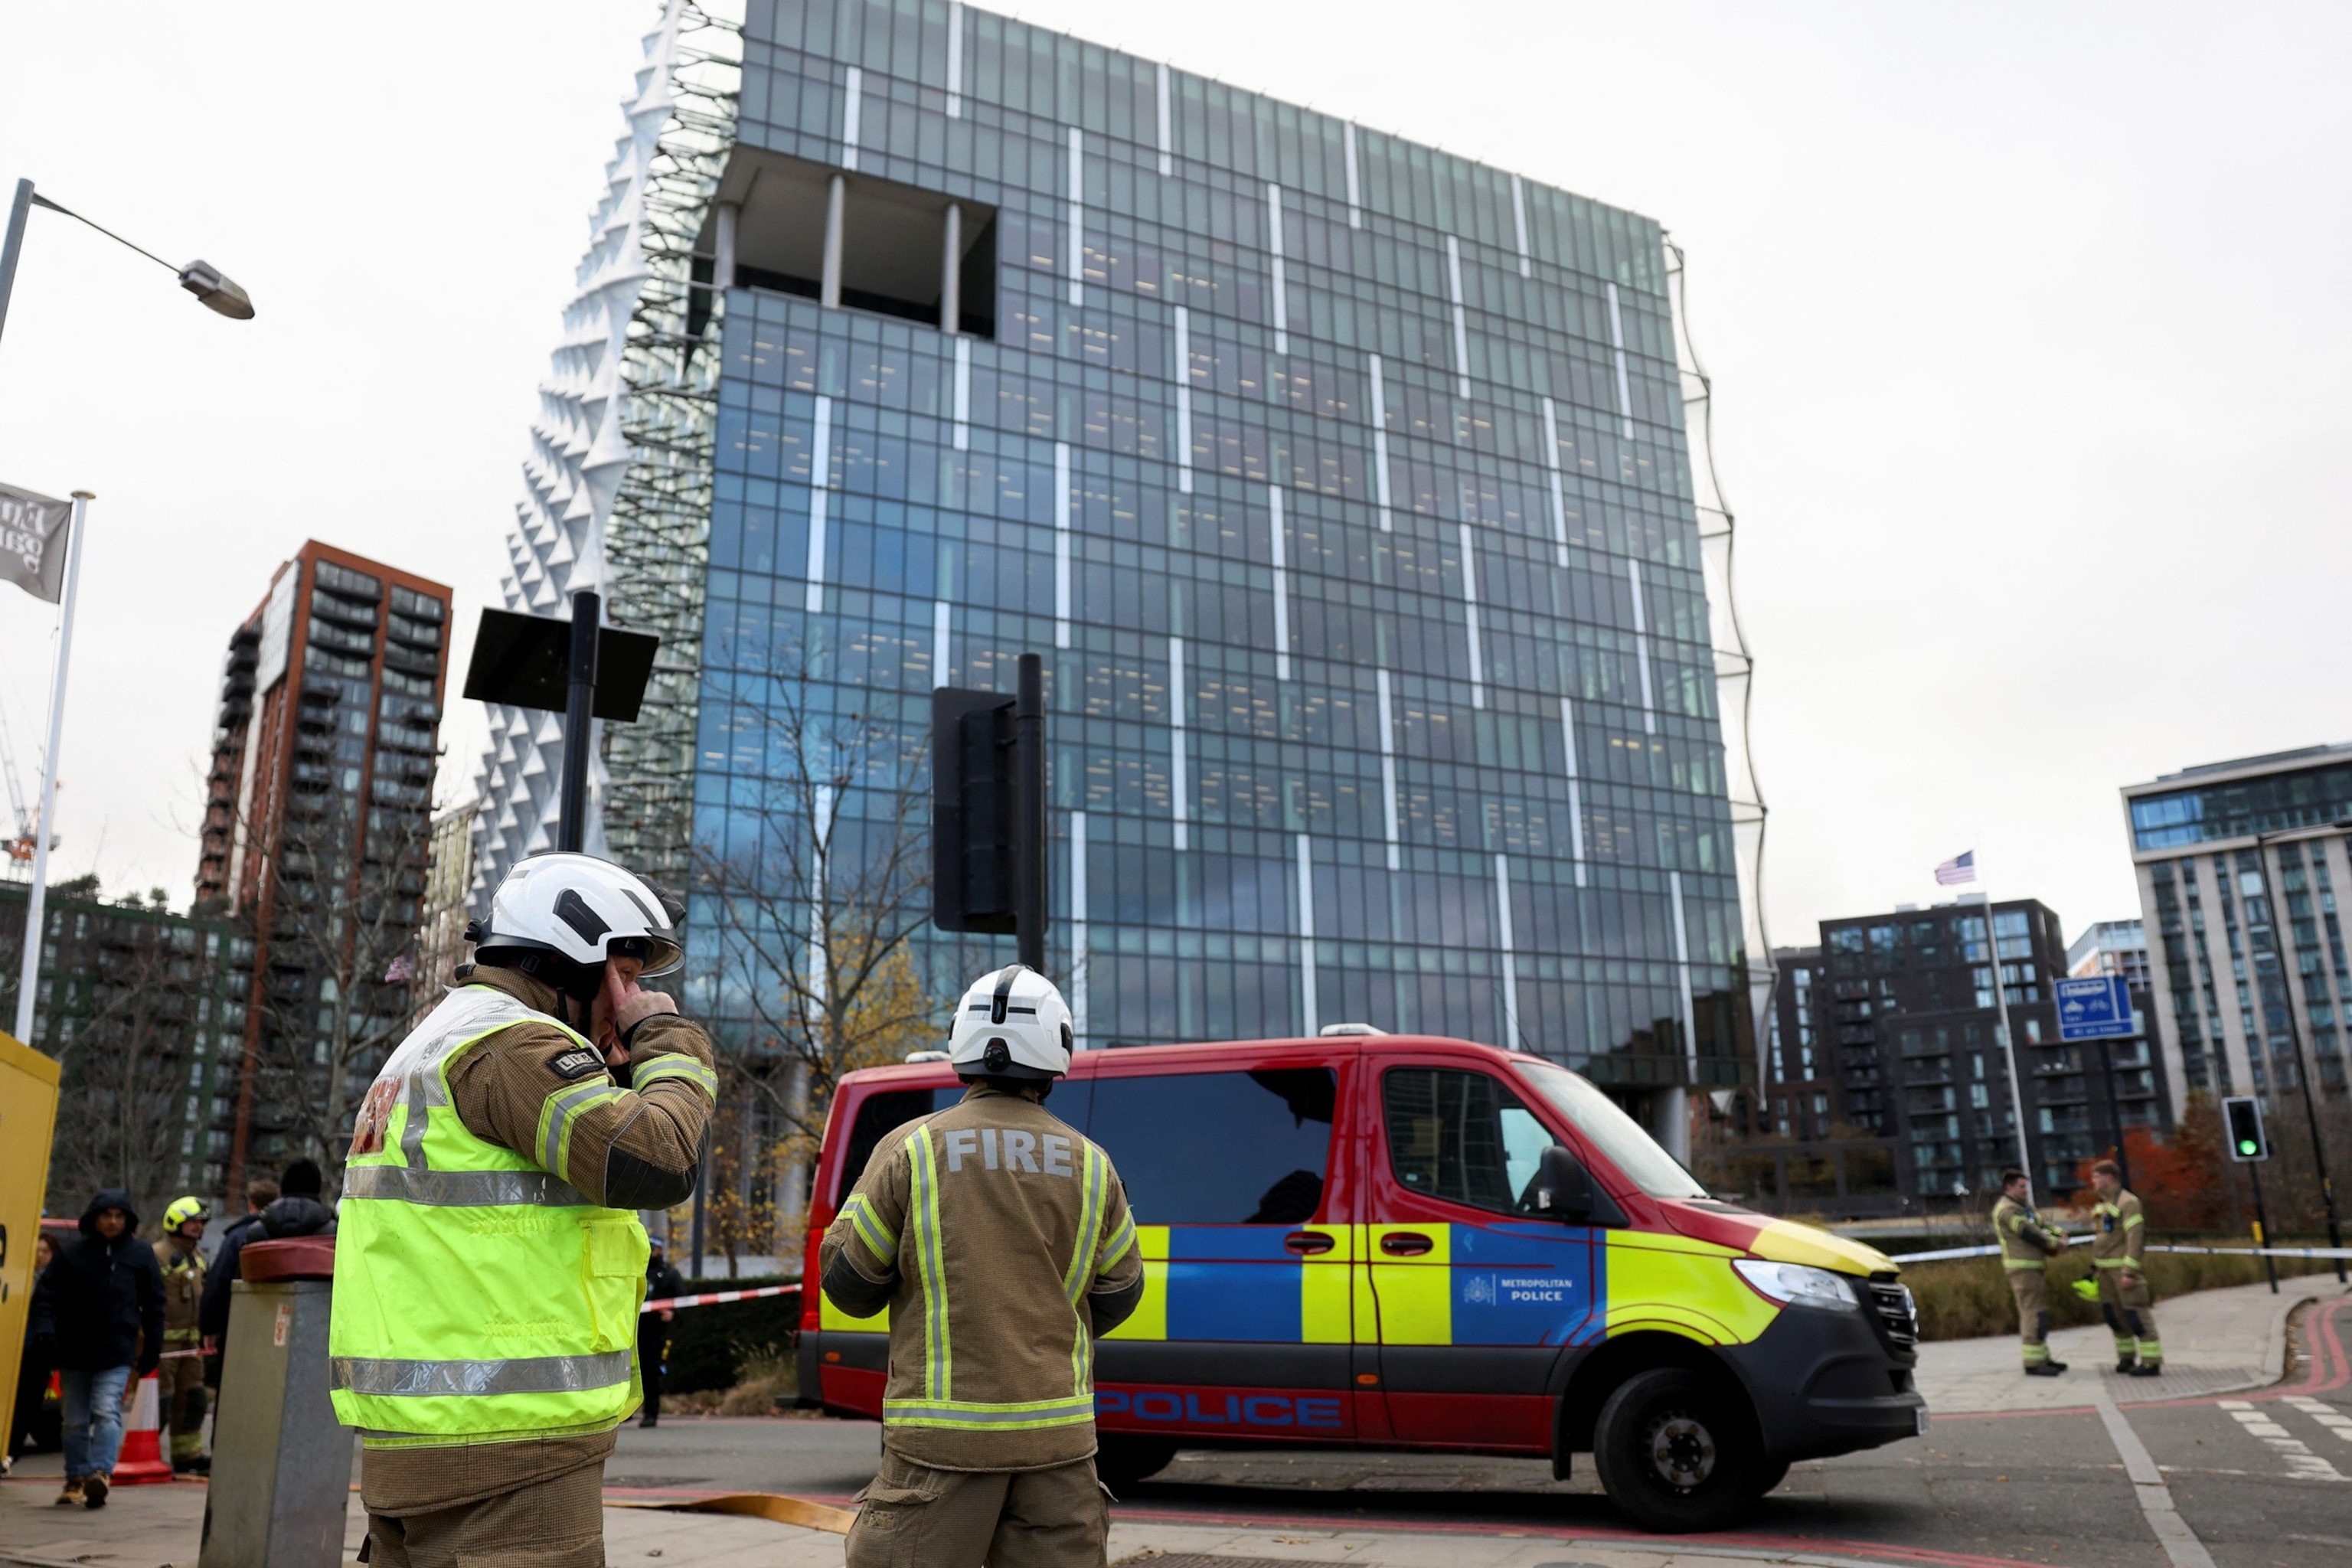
713,1347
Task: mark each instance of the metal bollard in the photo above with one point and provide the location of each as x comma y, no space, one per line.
281,1470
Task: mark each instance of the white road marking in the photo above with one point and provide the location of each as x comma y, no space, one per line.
2327,1415
2172,1532
2301,1462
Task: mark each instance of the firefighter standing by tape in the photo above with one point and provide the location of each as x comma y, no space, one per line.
490,1267
2025,1248
1000,1241
179,1376
2118,1245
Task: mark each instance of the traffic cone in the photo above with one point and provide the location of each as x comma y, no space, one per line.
141,1461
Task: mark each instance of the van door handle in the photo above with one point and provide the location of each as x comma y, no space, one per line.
1405,1244
1308,1243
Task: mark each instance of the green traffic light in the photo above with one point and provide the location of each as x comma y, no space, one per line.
2246,1146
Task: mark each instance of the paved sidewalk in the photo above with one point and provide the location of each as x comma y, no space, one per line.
2215,1342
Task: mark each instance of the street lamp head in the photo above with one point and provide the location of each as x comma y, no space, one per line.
205,280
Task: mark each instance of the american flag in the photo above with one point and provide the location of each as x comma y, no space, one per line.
1958,868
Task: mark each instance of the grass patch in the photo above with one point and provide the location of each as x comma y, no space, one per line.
1968,1298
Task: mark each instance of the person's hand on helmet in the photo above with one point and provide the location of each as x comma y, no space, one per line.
620,1006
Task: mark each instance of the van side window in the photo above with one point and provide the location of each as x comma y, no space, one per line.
1462,1137
1219,1148
877,1116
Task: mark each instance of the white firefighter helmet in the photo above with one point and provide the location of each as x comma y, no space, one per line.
583,908
1011,1024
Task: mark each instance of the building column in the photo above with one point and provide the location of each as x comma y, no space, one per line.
836,197
722,270
952,271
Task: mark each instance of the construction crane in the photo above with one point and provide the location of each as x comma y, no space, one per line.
20,848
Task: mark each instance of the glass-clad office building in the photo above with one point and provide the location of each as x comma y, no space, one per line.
1341,481
1342,484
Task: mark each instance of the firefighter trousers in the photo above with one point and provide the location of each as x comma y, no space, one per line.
2033,1295
913,1516
555,1524
179,1385
2131,1318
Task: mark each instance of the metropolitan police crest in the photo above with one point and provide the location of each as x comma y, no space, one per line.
1478,1290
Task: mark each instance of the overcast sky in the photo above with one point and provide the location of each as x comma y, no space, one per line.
2028,325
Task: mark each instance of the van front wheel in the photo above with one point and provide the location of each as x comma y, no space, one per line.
1672,1455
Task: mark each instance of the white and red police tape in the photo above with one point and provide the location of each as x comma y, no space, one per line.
2210,1251
718,1298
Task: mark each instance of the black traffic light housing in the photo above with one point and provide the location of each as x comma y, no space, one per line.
2241,1119
988,811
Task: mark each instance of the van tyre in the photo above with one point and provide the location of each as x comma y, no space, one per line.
1120,1460
1675,1456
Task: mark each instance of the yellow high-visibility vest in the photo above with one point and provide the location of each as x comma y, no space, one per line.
479,1297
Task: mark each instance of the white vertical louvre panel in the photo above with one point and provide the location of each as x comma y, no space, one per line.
1380,442
1274,260
1575,786
1184,401
1510,945
943,620
1355,189
1281,588
955,59
1311,1003
1683,975
1061,544
1388,767
1641,649
1180,772
1558,482
1077,218
853,112
1078,929
1617,348
1470,618
1519,225
1461,316
1167,125
820,486
962,393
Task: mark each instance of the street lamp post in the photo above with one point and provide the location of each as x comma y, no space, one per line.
218,293
2304,1067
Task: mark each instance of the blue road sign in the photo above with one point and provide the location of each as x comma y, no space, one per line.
2097,1008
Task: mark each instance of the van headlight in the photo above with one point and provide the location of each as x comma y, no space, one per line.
1796,1284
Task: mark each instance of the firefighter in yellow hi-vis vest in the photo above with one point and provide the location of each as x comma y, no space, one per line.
2026,1246
2117,1247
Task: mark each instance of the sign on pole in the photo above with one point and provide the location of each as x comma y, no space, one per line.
2095,1008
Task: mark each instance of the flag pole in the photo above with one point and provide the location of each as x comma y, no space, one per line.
2008,1039
28,979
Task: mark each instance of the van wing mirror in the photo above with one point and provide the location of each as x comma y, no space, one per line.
1566,1192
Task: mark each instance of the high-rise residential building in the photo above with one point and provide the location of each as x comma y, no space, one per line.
2239,862
1886,1084
143,1006
1342,482
2111,947
317,832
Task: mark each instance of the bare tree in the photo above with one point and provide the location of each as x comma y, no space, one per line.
345,879
821,886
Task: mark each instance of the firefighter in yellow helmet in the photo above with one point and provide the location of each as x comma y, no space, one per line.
999,1240
180,1375
2118,1247
2026,1246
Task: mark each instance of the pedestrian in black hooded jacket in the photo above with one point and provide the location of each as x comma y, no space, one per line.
108,1297
295,1211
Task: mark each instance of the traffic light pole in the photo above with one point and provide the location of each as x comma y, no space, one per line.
1029,812
2114,1116
579,732
2262,1225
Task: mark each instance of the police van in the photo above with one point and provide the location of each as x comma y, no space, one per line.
1409,1243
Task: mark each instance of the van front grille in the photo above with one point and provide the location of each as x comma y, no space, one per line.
1897,1313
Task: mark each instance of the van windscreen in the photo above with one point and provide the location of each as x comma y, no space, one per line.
1219,1148
878,1115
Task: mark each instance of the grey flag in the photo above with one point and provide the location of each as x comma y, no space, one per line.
33,532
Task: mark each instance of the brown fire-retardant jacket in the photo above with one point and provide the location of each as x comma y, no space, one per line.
1000,1241
640,1151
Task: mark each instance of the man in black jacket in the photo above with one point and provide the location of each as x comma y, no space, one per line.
662,1282
107,1297
212,1312
291,1207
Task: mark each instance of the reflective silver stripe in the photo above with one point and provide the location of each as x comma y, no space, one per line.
949,1413
560,1112
461,1189
527,1374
